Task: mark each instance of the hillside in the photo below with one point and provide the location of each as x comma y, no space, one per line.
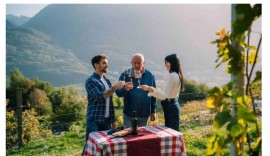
118,30
17,20
9,24
35,55
122,30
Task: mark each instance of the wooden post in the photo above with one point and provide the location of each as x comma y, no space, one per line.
19,116
238,85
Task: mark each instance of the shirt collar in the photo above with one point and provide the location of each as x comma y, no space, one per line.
143,71
98,76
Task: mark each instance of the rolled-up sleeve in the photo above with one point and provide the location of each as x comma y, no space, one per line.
171,81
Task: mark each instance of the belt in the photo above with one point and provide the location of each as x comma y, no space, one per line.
172,99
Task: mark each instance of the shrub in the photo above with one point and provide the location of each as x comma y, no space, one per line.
72,107
41,102
117,101
11,129
32,129
193,91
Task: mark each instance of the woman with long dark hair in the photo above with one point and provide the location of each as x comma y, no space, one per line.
173,85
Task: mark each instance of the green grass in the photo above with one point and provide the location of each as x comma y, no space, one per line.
196,133
196,140
68,144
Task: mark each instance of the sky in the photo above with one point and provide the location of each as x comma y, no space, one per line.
25,8
28,10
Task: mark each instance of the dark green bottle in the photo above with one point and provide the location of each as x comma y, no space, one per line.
134,124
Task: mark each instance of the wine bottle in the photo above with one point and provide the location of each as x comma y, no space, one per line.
134,124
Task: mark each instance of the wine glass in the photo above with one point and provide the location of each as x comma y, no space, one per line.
125,74
138,76
131,74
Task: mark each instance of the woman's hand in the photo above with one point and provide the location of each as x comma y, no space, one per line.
147,88
144,87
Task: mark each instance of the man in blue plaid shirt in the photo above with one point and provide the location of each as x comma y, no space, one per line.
100,111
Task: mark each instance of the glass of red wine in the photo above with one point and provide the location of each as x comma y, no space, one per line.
125,74
131,74
138,76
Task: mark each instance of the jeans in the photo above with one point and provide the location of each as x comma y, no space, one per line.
141,121
93,126
171,111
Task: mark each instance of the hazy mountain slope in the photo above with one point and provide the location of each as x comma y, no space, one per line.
17,20
9,24
121,29
35,55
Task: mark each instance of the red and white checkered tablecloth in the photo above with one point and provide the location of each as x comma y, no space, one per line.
171,142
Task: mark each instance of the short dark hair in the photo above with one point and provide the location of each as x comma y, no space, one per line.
98,58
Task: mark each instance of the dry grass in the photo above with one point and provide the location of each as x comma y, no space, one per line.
193,106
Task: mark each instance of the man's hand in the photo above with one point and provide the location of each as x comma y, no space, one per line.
119,84
113,125
110,91
153,117
129,86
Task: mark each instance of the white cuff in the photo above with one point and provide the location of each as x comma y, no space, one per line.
150,94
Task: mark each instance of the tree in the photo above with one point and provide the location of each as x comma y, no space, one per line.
39,100
46,86
235,117
17,80
72,106
57,97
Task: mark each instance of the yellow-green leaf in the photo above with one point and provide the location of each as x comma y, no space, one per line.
225,57
228,70
226,51
211,146
258,76
245,114
236,130
243,100
251,47
221,119
215,41
251,58
211,102
258,144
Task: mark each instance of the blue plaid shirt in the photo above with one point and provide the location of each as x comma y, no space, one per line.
137,99
96,102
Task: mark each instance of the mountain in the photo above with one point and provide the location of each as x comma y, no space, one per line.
123,29
9,24
120,30
35,55
16,20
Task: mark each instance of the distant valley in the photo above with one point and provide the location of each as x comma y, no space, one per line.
57,44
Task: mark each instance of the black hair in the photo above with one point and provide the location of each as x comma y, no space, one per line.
98,58
176,67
